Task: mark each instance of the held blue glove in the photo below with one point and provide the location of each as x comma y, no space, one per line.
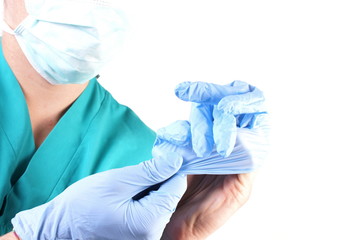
101,206
250,150
218,111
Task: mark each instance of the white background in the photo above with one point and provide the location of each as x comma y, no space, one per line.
305,56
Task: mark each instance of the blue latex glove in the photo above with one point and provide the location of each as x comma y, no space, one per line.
250,149
218,111
101,206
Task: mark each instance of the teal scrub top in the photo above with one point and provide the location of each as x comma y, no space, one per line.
94,135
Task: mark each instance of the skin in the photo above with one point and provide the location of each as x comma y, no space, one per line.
9,236
209,201
46,103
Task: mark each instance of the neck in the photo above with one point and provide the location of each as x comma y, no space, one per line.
46,102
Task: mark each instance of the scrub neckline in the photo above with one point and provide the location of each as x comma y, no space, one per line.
21,98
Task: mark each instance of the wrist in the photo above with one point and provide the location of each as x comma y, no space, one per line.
16,236
10,236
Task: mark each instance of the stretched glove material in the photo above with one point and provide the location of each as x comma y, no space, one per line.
218,111
101,206
250,149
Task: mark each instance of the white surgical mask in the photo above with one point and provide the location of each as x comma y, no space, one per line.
69,41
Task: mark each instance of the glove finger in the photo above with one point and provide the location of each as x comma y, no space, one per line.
225,132
209,93
249,120
244,120
244,103
201,121
177,133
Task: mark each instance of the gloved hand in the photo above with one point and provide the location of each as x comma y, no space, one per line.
218,111
249,130
220,115
238,125
101,206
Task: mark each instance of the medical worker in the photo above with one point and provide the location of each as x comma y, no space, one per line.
60,128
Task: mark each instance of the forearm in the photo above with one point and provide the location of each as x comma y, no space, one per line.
10,236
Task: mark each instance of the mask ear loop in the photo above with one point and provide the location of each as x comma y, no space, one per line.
19,29
6,28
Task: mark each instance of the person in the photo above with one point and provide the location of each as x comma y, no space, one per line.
58,127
